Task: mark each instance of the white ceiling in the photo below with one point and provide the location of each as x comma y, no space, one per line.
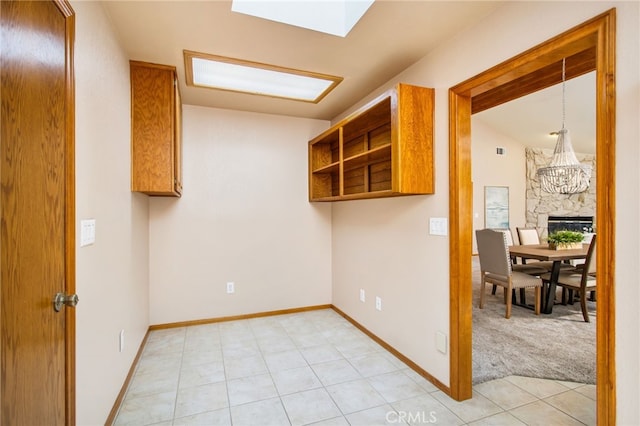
531,118
390,37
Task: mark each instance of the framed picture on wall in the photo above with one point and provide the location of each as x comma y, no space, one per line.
496,207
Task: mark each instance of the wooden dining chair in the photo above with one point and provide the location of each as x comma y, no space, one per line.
581,280
507,234
495,268
531,268
529,236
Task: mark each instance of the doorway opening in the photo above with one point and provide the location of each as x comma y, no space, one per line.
521,127
587,47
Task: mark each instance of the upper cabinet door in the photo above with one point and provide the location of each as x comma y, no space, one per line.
156,130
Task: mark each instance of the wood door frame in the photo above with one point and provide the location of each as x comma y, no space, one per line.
591,42
70,211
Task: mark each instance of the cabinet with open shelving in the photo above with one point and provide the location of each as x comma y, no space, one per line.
384,149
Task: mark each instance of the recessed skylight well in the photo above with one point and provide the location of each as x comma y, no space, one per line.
236,75
336,17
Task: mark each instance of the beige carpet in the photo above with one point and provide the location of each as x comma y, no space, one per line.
559,346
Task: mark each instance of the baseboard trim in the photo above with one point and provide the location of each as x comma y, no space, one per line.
116,405
118,402
237,317
412,365
415,367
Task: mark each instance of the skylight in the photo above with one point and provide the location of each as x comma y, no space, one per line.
220,72
335,17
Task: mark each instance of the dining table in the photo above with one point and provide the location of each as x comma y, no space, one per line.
544,253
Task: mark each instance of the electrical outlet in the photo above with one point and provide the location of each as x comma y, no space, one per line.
121,341
441,342
378,303
231,288
362,299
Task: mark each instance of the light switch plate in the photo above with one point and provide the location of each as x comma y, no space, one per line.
87,232
438,225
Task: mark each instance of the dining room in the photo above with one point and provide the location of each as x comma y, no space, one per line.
510,143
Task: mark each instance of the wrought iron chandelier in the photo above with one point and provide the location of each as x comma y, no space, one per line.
565,174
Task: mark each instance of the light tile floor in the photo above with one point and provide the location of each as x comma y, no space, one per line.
317,368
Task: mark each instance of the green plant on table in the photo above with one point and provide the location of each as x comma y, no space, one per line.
565,237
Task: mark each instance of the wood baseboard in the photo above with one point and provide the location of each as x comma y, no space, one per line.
116,405
237,317
123,390
412,365
395,352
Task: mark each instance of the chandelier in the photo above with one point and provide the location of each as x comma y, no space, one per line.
565,174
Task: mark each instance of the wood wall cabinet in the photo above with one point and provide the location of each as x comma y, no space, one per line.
156,130
384,149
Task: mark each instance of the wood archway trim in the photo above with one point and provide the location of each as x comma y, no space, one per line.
587,47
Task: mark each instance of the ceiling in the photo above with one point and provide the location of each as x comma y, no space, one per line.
531,118
390,37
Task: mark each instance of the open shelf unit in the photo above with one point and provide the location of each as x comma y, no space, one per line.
384,149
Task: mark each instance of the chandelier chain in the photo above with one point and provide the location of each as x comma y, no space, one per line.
563,92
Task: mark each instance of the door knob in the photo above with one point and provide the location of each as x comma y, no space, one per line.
64,299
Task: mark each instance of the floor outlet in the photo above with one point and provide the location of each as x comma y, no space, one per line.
362,299
231,288
378,303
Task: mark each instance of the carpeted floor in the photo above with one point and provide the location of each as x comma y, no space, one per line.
559,346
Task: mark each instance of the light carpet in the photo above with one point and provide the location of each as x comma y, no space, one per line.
558,346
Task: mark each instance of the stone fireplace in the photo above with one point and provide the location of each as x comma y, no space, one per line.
540,205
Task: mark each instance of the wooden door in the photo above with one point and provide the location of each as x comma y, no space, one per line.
37,248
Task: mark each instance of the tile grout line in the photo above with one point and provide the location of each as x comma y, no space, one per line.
305,329
226,379
175,402
562,409
270,376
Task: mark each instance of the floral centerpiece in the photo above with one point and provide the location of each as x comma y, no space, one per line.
565,240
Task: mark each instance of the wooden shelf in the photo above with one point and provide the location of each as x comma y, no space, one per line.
384,149
374,194
330,168
376,155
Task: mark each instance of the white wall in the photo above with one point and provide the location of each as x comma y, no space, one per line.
627,208
244,217
416,264
380,246
490,169
112,274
